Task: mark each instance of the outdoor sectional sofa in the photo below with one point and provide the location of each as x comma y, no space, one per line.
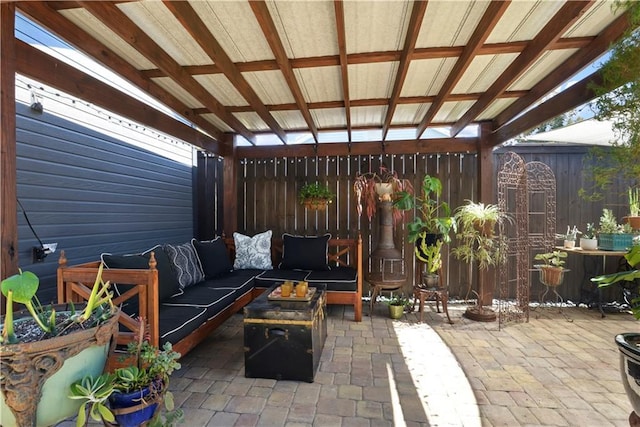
183,302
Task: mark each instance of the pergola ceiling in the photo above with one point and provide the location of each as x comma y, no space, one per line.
308,66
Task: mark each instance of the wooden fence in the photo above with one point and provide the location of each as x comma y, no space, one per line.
267,199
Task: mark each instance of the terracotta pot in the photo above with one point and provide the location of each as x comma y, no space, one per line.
633,221
629,347
486,228
551,276
36,376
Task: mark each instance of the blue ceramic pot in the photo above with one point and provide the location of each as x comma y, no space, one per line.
129,400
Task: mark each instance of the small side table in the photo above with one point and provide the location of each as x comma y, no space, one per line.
437,293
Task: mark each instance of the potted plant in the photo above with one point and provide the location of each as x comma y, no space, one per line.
433,216
477,243
46,348
611,235
633,219
397,305
589,240
569,238
135,392
315,196
431,256
369,187
628,343
552,271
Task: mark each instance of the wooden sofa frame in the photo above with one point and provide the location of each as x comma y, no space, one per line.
341,252
75,282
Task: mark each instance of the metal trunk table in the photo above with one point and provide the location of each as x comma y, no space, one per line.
283,340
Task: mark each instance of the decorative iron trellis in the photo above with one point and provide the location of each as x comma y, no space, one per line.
526,193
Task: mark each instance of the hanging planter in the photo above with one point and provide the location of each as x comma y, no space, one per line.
315,196
316,204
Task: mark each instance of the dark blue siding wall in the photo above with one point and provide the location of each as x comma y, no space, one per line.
91,193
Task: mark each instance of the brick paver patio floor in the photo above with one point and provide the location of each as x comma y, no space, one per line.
557,369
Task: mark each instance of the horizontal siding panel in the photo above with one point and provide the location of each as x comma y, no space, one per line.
92,193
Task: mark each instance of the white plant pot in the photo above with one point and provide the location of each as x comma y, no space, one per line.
588,244
384,190
569,244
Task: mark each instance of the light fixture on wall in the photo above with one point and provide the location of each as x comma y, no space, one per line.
36,105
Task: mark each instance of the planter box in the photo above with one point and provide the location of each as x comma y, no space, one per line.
615,242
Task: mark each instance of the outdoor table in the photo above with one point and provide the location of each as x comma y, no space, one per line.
592,269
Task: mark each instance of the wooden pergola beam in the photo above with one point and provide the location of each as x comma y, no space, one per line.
43,14
344,64
42,67
489,20
261,12
566,100
373,102
422,146
568,14
575,63
375,57
8,181
190,20
120,24
413,29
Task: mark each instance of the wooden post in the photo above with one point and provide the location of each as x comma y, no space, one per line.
486,194
8,190
230,193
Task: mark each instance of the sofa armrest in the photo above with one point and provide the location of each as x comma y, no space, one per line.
75,284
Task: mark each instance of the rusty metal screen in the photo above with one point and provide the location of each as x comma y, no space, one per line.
513,282
527,195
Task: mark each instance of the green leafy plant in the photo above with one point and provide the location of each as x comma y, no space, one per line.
590,232
22,288
609,224
634,201
633,259
150,367
315,191
619,101
433,215
399,299
571,234
95,392
552,259
364,187
474,243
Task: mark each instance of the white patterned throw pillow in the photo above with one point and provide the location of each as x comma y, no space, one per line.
185,264
253,252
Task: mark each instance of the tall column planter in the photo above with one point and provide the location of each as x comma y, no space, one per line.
36,376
